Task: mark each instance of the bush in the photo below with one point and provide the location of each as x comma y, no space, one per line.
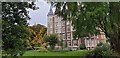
42,49
52,40
100,44
82,46
63,50
101,51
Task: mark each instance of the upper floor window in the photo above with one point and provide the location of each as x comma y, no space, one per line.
68,28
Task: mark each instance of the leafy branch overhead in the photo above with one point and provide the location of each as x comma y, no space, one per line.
90,18
14,26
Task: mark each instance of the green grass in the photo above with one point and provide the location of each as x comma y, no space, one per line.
70,53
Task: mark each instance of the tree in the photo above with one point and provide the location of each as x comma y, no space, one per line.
14,26
52,39
90,18
37,34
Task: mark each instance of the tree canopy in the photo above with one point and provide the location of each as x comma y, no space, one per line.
37,34
51,39
89,18
14,26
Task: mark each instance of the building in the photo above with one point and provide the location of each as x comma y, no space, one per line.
64,29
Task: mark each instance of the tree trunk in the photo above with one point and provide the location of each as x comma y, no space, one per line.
115,43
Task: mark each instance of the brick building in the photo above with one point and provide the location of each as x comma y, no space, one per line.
64,29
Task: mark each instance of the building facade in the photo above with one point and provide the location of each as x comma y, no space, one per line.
64,29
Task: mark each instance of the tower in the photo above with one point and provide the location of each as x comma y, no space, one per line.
50,22
50,13
56,25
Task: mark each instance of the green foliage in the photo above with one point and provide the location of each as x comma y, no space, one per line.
100,44
78,54
102,51
89,18
37,34
38,27
14,27
82,46
61,43
52,39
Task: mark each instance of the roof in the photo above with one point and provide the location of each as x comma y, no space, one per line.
50,12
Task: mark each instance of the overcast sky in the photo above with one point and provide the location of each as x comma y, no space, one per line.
39,16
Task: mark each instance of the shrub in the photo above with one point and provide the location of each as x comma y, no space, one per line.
42,49
51,39
60,50
101,51
100,44
82,46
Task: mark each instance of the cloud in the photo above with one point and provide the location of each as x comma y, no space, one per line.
39,16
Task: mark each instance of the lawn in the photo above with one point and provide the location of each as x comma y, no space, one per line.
70,53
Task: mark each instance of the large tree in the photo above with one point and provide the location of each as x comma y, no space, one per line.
90,18
37,34
14,26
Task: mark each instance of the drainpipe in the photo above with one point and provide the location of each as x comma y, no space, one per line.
77,42
66,33
53,26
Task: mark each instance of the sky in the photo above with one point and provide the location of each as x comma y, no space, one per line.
39,16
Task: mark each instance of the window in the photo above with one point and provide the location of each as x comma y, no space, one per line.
67,23
56,22
50,19
63,23
56,31
75,42
68,29
92,41
69,43
63,29
68,37
63,36
56,25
